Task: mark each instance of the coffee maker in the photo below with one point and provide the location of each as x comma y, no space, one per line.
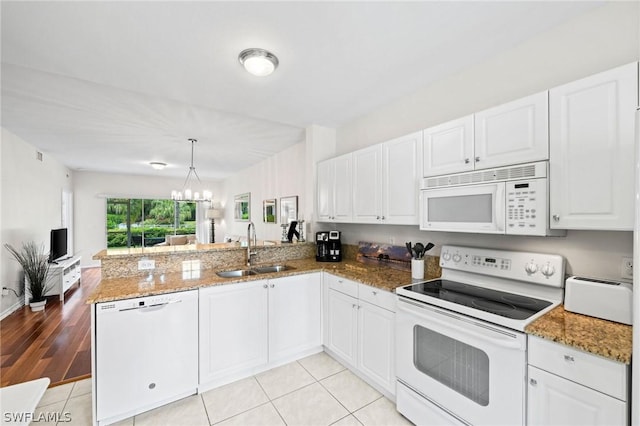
328,246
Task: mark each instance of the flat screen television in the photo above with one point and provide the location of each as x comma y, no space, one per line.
58,244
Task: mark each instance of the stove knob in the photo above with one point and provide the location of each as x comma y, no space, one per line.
548,270
457,258
531,268
446,256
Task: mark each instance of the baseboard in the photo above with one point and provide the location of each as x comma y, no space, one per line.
11,309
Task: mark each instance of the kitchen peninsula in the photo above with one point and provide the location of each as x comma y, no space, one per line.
216,330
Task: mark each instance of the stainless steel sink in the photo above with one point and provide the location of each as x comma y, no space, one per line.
268,269
253,271
236,273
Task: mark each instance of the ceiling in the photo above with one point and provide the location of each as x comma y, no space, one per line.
111,86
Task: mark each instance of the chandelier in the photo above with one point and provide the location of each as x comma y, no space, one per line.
188,193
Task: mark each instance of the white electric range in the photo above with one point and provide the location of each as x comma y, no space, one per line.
460,342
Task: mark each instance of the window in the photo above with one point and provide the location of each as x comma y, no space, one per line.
144,223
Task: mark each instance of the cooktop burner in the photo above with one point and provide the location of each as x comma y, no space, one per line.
500,303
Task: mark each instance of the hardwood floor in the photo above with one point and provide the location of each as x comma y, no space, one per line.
55,343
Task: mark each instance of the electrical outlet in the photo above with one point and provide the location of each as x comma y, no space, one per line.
392,240
5,291
626,268
145,264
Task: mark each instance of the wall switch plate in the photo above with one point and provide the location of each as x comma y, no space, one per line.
145,264
626,268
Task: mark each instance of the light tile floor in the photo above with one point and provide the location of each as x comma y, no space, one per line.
316,390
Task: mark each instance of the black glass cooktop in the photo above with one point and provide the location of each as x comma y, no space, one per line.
501,303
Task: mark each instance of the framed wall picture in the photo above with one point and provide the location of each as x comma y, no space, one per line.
269,211
288,209
242,207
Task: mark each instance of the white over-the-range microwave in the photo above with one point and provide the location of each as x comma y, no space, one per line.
511,200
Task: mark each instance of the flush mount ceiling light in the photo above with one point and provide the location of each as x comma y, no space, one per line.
188,193
258,62
158,165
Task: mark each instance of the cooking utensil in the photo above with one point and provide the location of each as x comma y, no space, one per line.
419,249
428,247
408,246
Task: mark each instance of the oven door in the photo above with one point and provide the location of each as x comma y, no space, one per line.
471,208
472,370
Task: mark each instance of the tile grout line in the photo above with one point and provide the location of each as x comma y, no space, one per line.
206,412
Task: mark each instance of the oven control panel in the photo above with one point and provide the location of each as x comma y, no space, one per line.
540,268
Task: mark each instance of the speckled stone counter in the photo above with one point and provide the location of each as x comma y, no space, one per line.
605,338
111,289
168,259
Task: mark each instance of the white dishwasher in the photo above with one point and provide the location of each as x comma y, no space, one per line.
146,353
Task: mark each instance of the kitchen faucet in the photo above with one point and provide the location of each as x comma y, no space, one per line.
255,243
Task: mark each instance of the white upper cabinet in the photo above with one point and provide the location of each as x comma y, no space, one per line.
592,151
334,203
448,147
512,133
401,179
367,184
385,182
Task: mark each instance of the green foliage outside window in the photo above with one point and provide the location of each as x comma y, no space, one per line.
138,222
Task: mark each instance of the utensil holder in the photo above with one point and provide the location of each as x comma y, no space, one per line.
417,269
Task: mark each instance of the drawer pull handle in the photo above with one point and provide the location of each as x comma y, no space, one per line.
353,306
533,382
569,358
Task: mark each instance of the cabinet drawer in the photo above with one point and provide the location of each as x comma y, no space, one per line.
593,371
342,285
375,296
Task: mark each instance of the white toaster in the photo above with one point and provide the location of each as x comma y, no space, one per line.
610,300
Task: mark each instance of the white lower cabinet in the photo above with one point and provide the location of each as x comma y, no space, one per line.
342,325
554,400
567,386
376,344
248,327
294,315
360,329
233,329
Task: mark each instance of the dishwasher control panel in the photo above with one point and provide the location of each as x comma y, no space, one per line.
139,303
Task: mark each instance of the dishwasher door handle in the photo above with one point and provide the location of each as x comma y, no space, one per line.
157,305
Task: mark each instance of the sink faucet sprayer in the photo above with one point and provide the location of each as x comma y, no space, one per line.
255,243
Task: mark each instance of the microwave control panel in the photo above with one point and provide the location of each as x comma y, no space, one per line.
526,209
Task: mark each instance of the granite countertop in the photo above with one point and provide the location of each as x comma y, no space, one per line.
129,287
600,337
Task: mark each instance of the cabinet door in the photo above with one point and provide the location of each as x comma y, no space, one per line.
233,329
342,326
342,189
400,180
592,151
448,147
376,344
324,189
513,133
553,400
367,185
294,315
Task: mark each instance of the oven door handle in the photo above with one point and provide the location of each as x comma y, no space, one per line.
460,324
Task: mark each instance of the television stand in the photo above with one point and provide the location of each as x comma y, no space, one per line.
62,275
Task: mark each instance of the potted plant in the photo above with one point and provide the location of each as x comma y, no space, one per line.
35,263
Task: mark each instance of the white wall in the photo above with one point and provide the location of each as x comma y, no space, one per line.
604,38
90,191
31,193
281,175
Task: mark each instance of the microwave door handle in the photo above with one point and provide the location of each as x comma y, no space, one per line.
500,207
